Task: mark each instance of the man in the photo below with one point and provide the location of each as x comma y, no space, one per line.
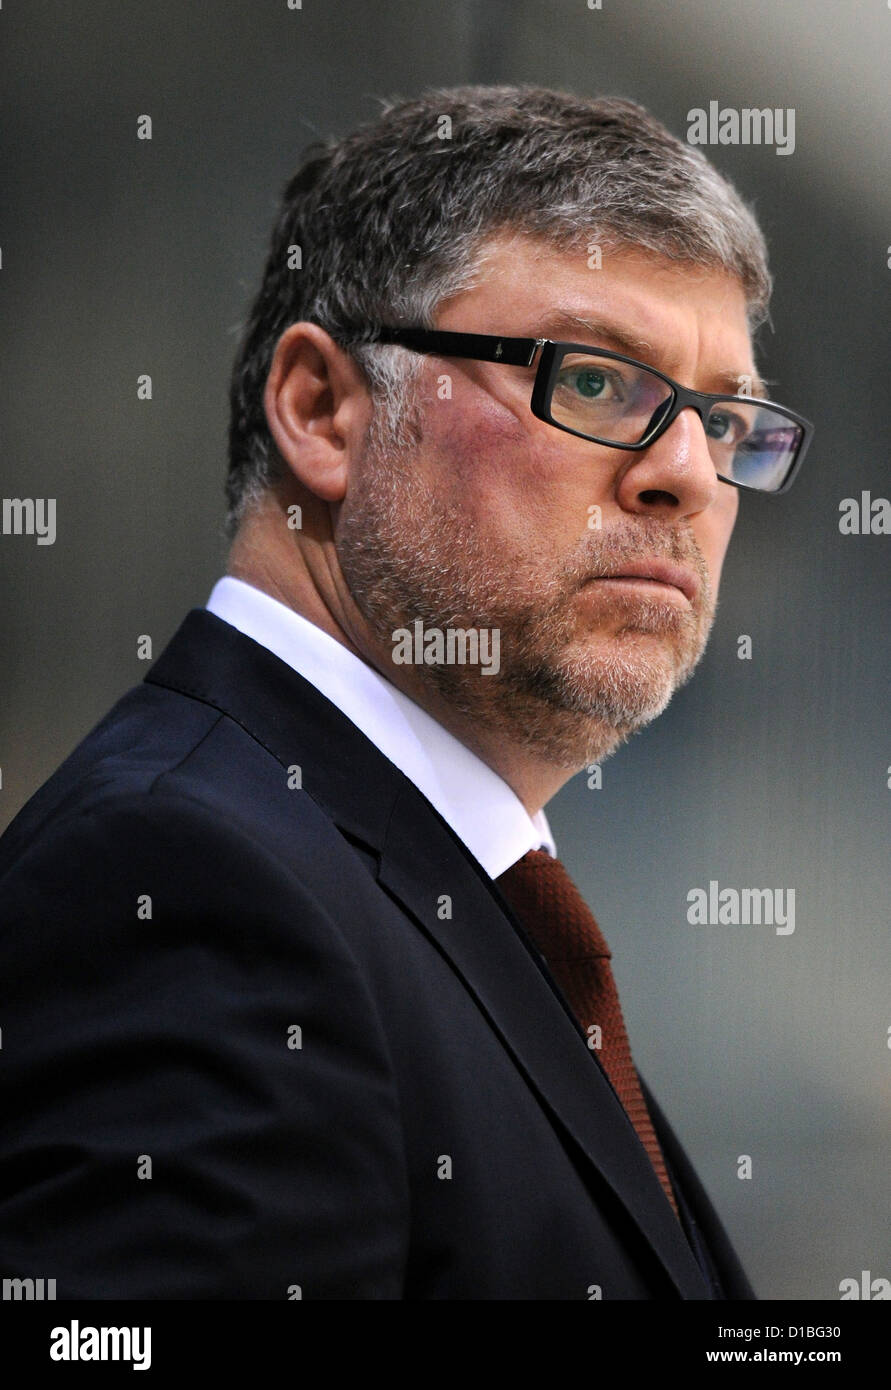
301,1002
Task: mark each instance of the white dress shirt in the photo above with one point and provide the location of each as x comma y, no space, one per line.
484,812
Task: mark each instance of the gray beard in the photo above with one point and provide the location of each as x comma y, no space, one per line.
572,700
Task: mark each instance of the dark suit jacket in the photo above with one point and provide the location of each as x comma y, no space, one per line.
174,908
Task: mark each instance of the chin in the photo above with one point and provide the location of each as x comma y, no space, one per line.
623,690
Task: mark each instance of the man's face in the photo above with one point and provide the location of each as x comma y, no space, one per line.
487,517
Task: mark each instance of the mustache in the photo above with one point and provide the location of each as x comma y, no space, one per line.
601,552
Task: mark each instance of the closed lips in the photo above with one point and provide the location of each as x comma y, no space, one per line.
662,572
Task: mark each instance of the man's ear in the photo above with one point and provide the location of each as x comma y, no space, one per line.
318,408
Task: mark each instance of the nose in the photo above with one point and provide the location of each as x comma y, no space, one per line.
674,476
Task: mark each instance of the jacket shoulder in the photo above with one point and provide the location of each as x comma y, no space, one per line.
182,1004
158,756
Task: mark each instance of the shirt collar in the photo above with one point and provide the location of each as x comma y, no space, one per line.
484,812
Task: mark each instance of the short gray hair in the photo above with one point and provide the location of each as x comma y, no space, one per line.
389,222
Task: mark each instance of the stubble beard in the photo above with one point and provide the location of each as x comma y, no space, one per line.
571,687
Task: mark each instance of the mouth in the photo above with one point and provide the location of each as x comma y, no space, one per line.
656,574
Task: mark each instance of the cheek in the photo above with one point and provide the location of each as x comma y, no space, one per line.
483,459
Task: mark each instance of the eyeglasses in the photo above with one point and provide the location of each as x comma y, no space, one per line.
614,400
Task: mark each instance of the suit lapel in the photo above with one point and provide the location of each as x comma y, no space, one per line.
420,859
506,975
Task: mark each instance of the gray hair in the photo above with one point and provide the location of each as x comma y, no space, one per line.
390,221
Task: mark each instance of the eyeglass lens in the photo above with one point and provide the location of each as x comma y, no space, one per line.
614,402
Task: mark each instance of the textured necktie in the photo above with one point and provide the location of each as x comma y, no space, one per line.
559,921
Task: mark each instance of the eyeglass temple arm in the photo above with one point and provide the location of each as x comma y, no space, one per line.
483,347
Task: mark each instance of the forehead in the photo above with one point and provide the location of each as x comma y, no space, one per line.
671,314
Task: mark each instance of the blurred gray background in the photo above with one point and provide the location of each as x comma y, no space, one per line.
121,257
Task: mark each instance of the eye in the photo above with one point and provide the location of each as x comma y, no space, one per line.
727,427
593,383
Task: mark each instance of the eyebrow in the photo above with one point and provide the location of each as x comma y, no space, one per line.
606,334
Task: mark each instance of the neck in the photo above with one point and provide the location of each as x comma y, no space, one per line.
300,570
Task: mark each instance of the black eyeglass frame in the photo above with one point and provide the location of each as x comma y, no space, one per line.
520,352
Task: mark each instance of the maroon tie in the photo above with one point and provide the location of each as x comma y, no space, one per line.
561,924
